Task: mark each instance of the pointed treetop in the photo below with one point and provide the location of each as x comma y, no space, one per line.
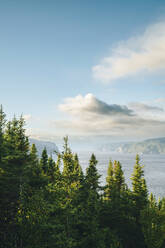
109,177
66,147
137,159
92,176
93,160
33,149
139,186
44,160
2,117
77,168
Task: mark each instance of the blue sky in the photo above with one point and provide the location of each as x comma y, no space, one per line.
55,50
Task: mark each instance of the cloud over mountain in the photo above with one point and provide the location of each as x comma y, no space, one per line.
138,54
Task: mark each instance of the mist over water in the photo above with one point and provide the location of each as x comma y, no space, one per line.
154,168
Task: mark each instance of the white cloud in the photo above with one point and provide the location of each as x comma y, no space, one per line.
90,116
90,104
141,53
147,111
138,106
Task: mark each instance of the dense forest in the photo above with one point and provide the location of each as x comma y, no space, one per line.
47,204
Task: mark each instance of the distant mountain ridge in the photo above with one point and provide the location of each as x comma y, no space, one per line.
148,146
40,145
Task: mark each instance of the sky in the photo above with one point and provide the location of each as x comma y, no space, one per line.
84,68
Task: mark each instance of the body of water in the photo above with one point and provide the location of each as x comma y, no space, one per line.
154,168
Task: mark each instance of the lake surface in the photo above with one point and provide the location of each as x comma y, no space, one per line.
154,168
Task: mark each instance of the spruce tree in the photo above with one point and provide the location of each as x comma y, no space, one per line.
34,155
78,173
139,188
44,161
92,176
115,180
68,163
34,171
109,188
51,168
119,180
53,171
152,220
2,127
2,178
91,206
14,165
42,207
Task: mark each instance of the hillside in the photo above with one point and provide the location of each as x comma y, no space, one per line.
40,145
149,146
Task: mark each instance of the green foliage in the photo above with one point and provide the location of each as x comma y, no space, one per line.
139,188
153,223
118,177
115,181
2,126
44,207
44,161
14,161
92,176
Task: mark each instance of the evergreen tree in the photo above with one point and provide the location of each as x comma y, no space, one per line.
53,171
69,189
34,156
153,224
2,127
68,163
92,176
11,183
41,207
44,161
34,173
139,188
51,168
119,180
109,178
115,181
91,207
109,188
77,169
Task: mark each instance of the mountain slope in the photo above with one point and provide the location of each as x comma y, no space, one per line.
40,145
149,146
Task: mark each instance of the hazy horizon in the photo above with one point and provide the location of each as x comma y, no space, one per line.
91,70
